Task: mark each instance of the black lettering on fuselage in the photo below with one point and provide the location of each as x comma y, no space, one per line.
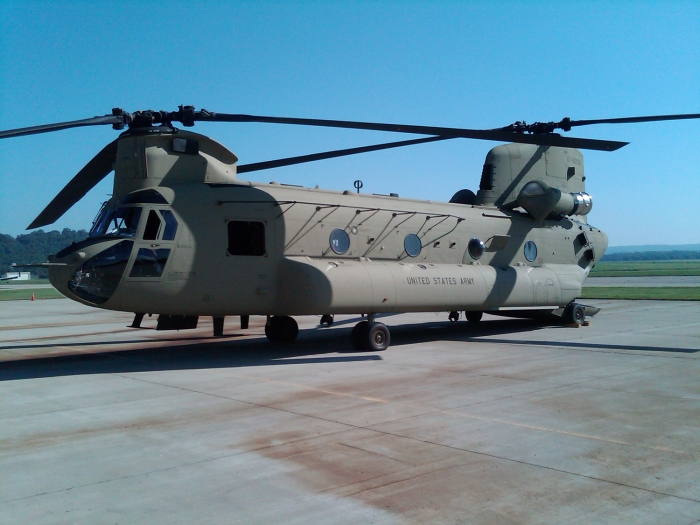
417,280
447,281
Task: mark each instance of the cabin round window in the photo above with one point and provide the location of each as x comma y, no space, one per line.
530,251
475,248
340,241
412,245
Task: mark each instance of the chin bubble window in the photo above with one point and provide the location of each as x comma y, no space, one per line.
412,245
339,241
97,279
476,248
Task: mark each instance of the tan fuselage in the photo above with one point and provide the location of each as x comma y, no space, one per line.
298,272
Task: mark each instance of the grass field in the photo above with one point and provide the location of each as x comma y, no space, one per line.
672,293
25,294
645,268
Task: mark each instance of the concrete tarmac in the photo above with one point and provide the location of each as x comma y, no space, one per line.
508,421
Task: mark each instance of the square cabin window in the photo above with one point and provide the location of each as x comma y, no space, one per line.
246,238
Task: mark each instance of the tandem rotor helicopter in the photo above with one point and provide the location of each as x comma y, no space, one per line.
182,236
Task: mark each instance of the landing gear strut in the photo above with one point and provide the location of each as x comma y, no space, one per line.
281,329
370,336
137,320
218,326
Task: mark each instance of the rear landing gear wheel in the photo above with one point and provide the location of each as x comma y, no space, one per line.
454,316
379,337
281,329
372,337
575,314
473,317
326,321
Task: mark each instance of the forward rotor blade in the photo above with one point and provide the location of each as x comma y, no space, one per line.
634,120
46,128
500,135
258,166
86,179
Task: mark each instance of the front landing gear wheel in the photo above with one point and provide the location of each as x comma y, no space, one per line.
473,317
575,314
454,316
281,329
326,321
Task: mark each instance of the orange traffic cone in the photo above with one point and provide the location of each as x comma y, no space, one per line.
32,297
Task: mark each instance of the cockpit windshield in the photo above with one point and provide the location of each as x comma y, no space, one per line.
117,222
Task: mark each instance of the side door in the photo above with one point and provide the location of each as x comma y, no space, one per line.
154,246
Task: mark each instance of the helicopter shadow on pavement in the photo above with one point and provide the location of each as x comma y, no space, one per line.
199,354
485,330
317,345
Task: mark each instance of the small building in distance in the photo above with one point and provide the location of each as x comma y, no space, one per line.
17,276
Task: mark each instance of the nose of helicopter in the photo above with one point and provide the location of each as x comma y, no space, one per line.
90,271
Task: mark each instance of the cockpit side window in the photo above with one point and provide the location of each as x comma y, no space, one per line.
170,225
150,232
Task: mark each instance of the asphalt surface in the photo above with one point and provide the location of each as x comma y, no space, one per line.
509,421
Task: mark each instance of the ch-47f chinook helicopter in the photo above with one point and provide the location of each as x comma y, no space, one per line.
182,236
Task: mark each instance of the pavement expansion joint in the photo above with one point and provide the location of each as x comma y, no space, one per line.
399,476
562,471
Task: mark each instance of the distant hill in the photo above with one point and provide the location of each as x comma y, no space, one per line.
35,247
673,255
652,248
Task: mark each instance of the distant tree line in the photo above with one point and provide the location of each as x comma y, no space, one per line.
35,247
674,255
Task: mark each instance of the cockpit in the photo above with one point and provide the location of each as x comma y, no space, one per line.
134,218
122,219
116,222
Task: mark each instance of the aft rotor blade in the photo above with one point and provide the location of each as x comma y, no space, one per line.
258,166
634,120
47,128
500,135
86,179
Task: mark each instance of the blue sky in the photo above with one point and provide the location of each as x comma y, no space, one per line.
462,64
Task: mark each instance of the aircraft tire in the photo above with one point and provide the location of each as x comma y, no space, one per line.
473,317
575,314
281,329
326,321
360,336
378,337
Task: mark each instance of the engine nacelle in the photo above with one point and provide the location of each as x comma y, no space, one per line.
542,201
508,168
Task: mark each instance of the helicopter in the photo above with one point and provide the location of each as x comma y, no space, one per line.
183,237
